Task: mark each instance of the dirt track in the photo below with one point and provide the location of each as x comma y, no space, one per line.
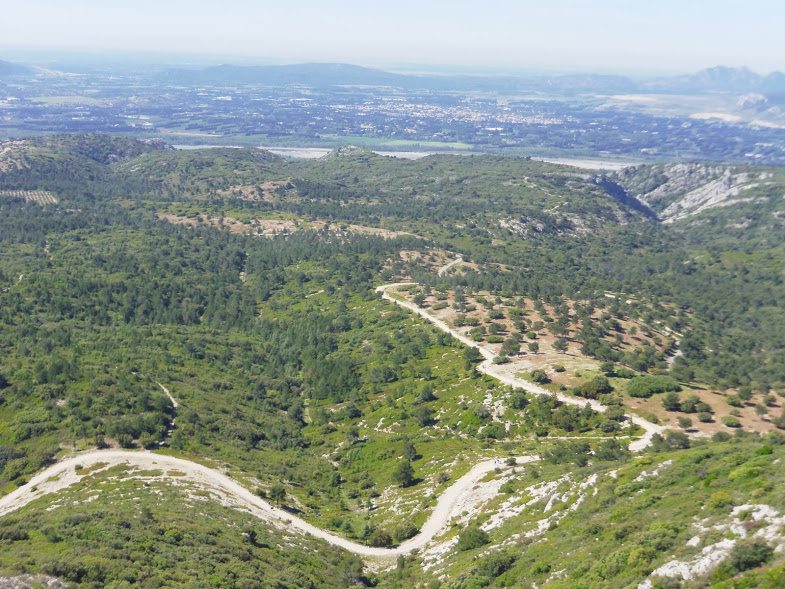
499,372
232,494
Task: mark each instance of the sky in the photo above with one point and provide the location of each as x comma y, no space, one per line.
624,36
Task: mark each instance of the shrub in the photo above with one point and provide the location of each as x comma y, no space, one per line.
423,415
592,389
704,417
495,430
646,386
495,564
745,393
731,421
671,402
749,555
380,537
677,440
684,422
518,400
481,411
719,499
540,377
404,531
689,405
541,568
471,538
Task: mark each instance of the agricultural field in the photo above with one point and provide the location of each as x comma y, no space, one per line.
41,197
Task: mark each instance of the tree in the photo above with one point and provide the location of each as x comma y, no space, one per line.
471,355
278,494
403,475
423,415
534,347
426,394
560,345
366,532
671,402
540,376
511,346
607,368
409,451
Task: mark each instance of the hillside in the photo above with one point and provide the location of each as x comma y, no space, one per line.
680,191
573,372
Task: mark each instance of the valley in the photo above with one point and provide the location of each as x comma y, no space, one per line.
229,367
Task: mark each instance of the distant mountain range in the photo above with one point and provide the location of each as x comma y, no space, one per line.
311,74
9,68
720,79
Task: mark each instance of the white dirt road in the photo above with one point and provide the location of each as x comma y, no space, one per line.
465,491
503,374
232,494
446,267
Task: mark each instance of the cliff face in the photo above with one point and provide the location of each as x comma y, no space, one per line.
678,191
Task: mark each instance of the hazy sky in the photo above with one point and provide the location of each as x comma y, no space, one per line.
623,35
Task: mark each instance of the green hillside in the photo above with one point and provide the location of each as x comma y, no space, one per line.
221,306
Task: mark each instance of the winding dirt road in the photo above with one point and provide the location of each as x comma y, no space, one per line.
503,374
446,267
230,493
452,503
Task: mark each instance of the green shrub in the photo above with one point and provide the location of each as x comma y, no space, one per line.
471,538
719,499
380,537
541,567
403,476
404,531
539,376
518,400
495,564
731,421
648,385
749,555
